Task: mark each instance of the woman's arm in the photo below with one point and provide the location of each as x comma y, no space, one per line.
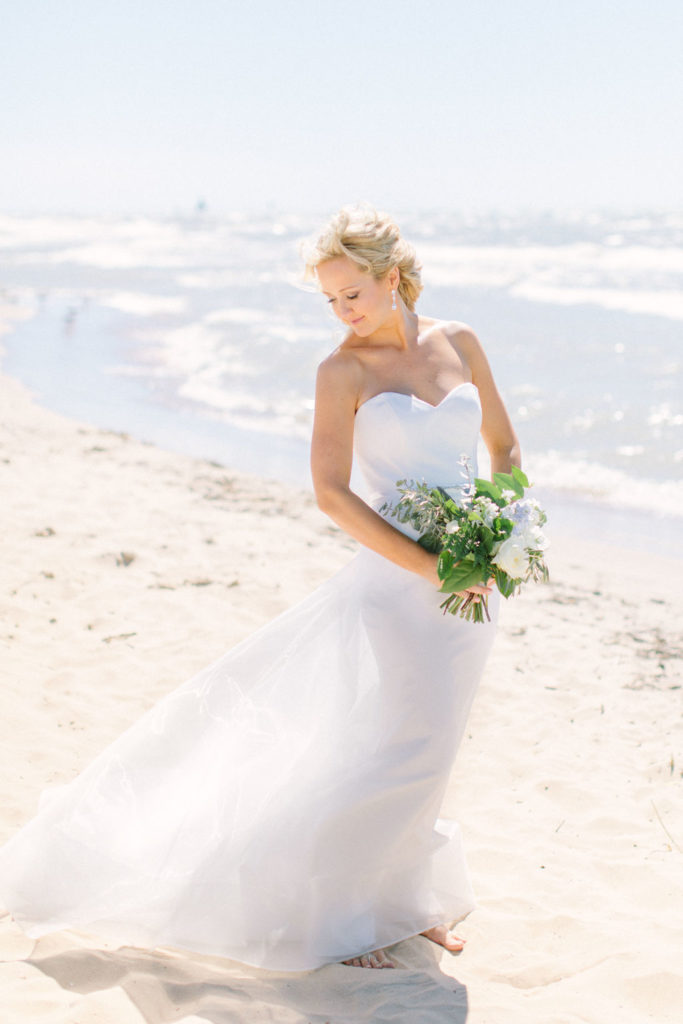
337,389
496,429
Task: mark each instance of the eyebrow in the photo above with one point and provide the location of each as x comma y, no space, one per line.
346,288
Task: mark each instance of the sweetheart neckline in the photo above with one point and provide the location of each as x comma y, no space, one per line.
416,398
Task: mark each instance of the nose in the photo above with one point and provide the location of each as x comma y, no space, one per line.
344,308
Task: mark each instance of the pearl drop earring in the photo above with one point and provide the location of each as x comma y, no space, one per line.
393,298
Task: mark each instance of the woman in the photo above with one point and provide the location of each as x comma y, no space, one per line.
281,807
370,277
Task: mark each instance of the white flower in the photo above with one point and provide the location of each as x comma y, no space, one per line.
453,526
535,540
488,510
530,536
512,558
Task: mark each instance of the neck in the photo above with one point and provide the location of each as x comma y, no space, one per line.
399,330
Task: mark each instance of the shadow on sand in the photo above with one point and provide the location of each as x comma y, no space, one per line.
167,986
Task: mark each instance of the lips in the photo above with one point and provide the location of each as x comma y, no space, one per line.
354,322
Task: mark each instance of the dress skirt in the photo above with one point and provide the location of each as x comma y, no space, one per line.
281,808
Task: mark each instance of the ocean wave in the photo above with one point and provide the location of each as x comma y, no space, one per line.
604,484
635,279
212,316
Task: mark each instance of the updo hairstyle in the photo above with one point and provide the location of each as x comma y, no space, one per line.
373,242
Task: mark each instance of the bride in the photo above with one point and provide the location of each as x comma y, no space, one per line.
281,808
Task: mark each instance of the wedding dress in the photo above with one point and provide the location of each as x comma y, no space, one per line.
281,807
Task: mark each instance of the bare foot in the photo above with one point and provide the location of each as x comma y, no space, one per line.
444,937
378,958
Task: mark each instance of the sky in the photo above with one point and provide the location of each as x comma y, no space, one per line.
149,106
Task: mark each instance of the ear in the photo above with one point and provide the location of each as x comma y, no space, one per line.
394,278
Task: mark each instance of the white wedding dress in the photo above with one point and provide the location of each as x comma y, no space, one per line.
281,807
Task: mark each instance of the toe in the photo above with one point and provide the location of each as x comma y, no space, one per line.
443,937
375,959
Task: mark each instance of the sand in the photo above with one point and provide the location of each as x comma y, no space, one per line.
126,568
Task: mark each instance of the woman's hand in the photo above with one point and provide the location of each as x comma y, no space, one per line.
477,589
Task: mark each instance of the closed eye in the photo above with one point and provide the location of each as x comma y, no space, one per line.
349,298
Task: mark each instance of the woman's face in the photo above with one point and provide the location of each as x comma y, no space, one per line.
356,297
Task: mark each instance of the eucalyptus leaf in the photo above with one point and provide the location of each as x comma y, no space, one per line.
504,583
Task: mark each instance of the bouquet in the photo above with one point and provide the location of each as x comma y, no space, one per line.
485,530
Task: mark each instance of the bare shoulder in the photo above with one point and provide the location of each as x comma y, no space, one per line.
341,373
461,335
467,345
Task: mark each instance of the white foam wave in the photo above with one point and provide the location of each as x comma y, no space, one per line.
140,304
635,279
267,414
187,349
604,484
235,315
636,266
216,280
654,303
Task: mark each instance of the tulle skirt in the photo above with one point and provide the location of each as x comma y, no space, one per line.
281,808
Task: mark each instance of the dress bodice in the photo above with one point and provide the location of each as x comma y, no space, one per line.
399,437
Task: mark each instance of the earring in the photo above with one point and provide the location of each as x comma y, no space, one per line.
393,298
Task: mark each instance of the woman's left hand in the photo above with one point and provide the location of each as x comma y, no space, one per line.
478,590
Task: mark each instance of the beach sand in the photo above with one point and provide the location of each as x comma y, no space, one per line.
125,569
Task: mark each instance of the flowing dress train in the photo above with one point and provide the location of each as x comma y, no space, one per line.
281,808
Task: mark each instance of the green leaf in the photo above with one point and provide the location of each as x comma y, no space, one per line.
520,476
490,490
463,575
503,527
487,539
506,481
504,583
430,542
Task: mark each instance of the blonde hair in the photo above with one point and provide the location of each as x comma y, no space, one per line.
373,242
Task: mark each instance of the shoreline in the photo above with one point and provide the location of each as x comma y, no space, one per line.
127,404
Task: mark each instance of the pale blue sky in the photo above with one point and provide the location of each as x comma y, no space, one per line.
115,106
